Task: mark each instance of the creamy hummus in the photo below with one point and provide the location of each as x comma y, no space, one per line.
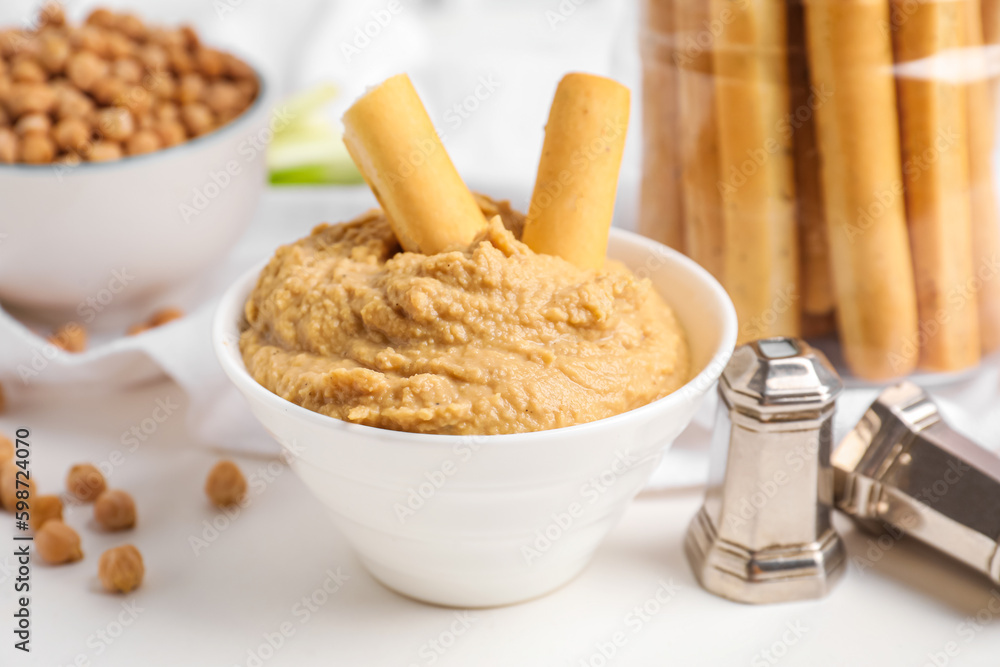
497,339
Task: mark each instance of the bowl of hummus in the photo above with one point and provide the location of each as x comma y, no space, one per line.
475,421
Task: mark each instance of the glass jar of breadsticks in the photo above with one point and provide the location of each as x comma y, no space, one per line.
830,162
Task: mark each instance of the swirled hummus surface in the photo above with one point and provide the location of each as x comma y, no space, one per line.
496,339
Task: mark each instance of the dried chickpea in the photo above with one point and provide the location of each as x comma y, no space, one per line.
132,25
101,17
143,141
71,134
120,46
180,60
237,69
225,485
8,146
166,111
161,84
28,70
3,406
137,99
121,569
9,487
85,69
37,148
71,336
51,14
57,543
93,39
28,97
171,132
248,87
165,315
212,63
190,89
107,89
45,509
72,103
223,96
153,56
4,117
197,118
127,69
55,52
115,123
68,160
104,151
10,42
6,449
33,122
115,510
85,482
191,39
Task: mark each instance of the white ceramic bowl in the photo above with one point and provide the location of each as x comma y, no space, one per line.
474,521
73,233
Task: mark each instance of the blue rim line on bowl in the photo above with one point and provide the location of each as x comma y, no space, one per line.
230,310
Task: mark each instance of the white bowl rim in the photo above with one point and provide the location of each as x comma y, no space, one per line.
263,90
238,373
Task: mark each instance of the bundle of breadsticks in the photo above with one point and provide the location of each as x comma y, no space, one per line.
829,161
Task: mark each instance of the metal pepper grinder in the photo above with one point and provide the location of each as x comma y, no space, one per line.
765,532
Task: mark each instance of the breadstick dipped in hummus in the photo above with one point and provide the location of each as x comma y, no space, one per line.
396,148
751,99
574,197
851,55
932,109
985,216
661,204
699,143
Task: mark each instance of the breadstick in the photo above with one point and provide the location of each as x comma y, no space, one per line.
932,110
660,203
851,54
985,217
396,148
991,37
699,137
757,185
574,197
815,274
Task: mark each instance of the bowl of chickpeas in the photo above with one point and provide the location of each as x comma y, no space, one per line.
125,150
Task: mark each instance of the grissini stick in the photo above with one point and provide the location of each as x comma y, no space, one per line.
932,116
761,271
985,217
574,197
660,205
850,53
991,36
816,276
396,148
699,138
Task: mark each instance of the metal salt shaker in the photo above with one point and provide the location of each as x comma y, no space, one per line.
904,470
764,533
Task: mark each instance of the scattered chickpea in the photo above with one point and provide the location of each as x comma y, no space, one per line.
9,488
85,482
121,569
115,510
157,319
33,122
197,118
143,141
85,69
115,123
57,543
45,509
104,151
71,134
225,485
37,148
71,336
8,145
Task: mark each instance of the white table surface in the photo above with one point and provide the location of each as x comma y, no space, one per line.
216,607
